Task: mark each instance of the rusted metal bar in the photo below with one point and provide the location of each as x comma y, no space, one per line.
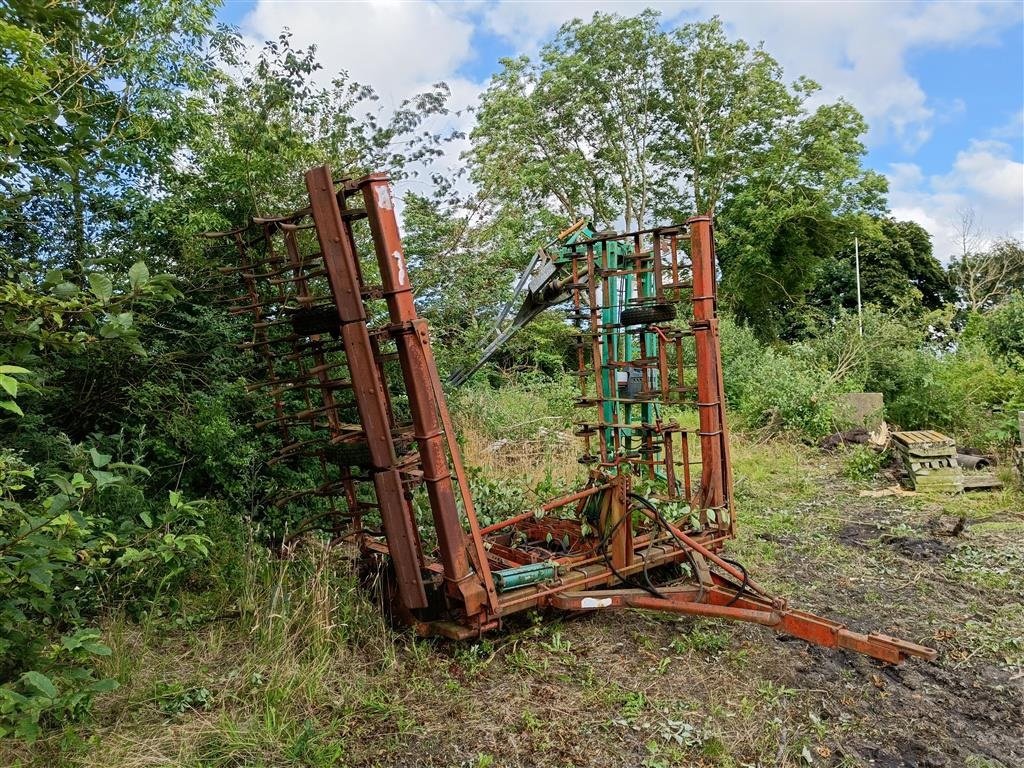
727,604
341,263
615,526
477,550
641,600
423,405
709,393
547,507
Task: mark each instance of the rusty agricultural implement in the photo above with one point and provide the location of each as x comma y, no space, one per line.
358,402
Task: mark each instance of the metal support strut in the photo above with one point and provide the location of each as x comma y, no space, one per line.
726,603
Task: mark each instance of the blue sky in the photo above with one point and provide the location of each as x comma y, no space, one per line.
941,84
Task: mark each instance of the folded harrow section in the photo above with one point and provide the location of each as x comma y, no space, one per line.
354,386
647,352
365,438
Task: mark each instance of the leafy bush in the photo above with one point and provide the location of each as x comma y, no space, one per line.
981,395
863,463
930,375
65,554
1004,332
495,500
62,684
79,532
773,388
791,394
891,357
202,438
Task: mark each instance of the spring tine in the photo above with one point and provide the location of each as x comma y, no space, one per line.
305,415
281,220
301,278
218,235
272,323
331,384
309,376
267,342
297,227
335,490
294,448
330,488
245,309
302,350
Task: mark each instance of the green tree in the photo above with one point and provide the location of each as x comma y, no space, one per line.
263,120
465,260
793,208
898,270
1004,331
726,105
96,86
250,136
578,132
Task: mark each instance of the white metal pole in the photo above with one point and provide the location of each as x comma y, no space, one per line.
856,261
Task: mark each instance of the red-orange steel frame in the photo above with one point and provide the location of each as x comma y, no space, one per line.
381,430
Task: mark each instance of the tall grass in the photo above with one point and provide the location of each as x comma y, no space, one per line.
520,434
300,663
310,604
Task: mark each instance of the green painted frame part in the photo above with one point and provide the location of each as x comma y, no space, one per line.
523,576
621,289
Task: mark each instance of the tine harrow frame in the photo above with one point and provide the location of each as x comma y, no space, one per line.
357,403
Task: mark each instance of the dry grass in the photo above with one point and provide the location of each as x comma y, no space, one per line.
516,435
525,461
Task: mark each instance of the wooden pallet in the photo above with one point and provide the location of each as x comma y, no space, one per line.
929,458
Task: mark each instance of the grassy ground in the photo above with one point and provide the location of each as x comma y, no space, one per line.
300,670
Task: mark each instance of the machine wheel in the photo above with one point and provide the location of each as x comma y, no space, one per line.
648,314
351,454
315,321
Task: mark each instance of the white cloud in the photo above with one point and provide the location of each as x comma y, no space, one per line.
856,50
984,177
859,51
396,47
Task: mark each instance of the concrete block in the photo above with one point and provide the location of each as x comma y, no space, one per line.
860,409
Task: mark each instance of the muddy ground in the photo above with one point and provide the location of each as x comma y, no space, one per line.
671,691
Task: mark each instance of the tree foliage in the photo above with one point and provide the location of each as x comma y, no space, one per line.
253,132
98,85
987,278
1004,331
620,121
897,269
577,131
